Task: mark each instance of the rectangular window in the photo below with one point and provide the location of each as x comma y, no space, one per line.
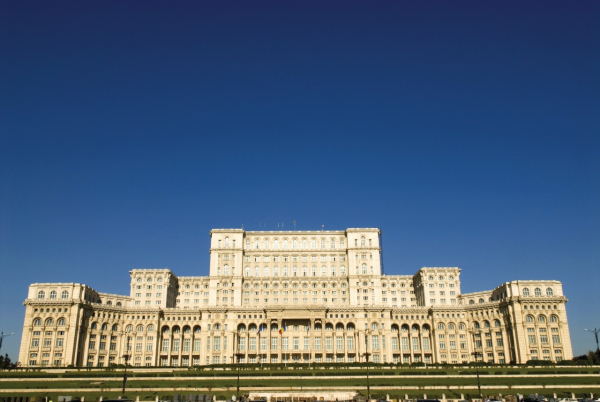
196,345
317,342
404,343
555,339
395,343
306,343
217,343
284,343
415,343
176,345
165,347
328,344
296,341
375,342
273,343
339,343
242,344
263,344
350,342
252,343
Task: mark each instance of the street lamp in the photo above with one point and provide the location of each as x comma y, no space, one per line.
126,356
475,353
367,360
3,335
595,331
238,355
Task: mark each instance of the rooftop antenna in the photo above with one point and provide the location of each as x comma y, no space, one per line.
242,226
322,226
294,222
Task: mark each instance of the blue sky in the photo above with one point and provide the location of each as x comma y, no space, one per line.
466,131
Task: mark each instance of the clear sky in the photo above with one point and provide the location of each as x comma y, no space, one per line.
467,131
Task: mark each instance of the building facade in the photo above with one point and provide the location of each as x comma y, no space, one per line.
276,297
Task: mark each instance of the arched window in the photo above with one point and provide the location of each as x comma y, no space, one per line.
549,292
415,328
328,327
129,328
94,325
476,325
65,294
104,327
471,301
197,329
342,243
227,242
165,330
553,318
323,270
441,326
350,327
362,241
538,291
541,318
241,328
339,326
252,328
294,244
148,279
115,327
305,271
150,328
304,243
462,326
529,318
295,271
267,273
176,329
187,330
247,271
118,304
364,269
486,324
266,244
497,323
256,244
49,322
109,303
374,326
525,291
139,328
322,243
37,322
332,243
481,301
285,244
451,326
276,244
41,294
53,294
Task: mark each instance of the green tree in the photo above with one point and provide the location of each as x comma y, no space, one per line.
6,363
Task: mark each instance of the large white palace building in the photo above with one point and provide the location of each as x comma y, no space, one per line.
294,296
